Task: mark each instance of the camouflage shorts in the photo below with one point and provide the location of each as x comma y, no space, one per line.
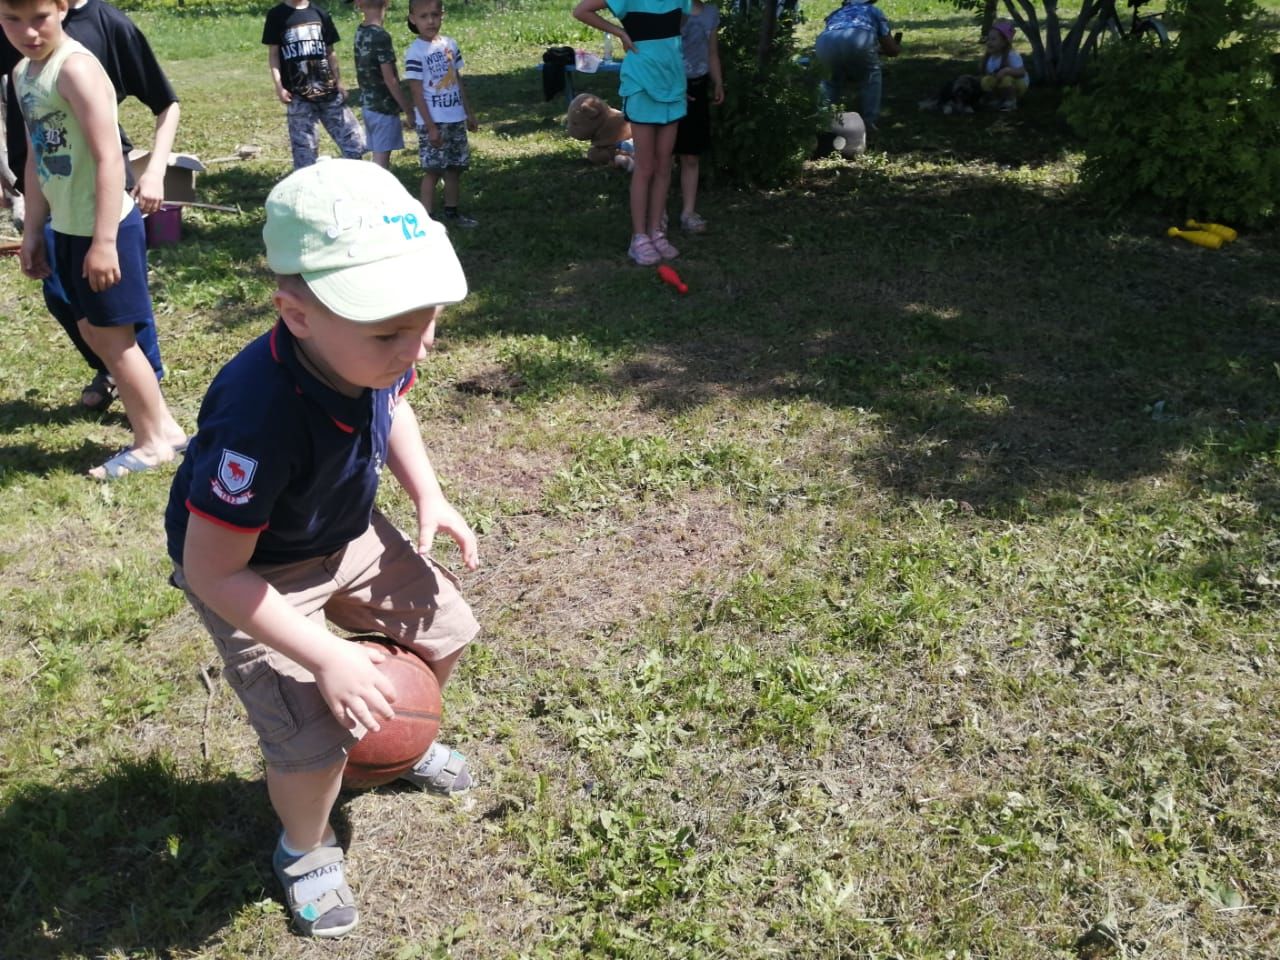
335,116
454,153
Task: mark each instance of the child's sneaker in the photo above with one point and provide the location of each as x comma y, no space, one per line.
316,891
441,770
663,246
1007,106
642,251
692,223
452,218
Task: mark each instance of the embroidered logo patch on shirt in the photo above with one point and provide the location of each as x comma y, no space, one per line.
235,474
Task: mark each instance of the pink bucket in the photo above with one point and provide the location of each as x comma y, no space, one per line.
164,227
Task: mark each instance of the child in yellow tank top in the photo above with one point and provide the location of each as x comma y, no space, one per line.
75,177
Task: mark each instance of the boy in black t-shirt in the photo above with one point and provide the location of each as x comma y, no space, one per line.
299,40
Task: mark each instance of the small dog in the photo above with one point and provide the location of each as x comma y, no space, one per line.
960,95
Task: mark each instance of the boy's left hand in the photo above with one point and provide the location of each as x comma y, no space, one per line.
443,518
717,95
473,124
148,193
101,266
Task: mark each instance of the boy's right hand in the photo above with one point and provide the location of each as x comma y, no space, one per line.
434,136
32,255
355,690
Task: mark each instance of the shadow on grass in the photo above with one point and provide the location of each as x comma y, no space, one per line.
37,460
514,105
957,22
16,414
142,859
1011,343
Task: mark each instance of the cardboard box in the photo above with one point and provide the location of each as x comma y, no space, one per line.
179,178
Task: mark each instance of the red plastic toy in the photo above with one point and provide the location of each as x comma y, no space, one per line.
668,275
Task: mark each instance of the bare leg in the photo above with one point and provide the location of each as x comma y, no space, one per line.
303,802
443,668
452,178
664,141
382,158
155,432
427,192
688,183
644,136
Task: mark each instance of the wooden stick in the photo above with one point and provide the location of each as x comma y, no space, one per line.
203,206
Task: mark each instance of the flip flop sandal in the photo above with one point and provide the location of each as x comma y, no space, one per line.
319,899
99,394
125,464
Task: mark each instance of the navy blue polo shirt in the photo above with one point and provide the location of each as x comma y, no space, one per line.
279,453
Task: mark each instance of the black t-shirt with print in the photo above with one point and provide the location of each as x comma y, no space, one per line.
304,37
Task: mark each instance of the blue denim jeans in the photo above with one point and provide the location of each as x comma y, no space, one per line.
852,56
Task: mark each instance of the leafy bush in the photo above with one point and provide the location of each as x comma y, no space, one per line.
1191,129
768,123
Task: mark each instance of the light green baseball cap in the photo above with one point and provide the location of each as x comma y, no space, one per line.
364,245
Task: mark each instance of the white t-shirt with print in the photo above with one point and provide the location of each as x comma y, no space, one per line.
437,64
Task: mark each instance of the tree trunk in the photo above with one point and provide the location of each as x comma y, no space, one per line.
768,24
988,17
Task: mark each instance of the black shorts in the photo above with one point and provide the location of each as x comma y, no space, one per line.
693,136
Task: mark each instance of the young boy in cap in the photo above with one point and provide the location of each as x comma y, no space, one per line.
271,521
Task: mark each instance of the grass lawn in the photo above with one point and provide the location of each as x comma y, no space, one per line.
910,588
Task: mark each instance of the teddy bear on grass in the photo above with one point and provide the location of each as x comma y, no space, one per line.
608,131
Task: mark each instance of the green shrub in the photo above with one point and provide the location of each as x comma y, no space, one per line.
1191,129
767,126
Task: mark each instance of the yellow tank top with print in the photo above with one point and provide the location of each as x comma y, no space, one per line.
65,165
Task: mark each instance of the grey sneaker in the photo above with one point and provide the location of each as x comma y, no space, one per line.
441,770
664,247
456,219
315,890
692,223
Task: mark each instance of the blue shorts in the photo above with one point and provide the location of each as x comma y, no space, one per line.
129,301
642,108
382,131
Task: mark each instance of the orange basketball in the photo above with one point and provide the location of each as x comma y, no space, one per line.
383,755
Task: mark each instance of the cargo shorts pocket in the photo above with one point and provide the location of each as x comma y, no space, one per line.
261,690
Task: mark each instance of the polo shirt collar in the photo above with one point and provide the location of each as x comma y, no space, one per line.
348,414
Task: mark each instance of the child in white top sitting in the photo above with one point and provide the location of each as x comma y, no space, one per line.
1003,72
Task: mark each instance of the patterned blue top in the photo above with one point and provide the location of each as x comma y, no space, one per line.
859,15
